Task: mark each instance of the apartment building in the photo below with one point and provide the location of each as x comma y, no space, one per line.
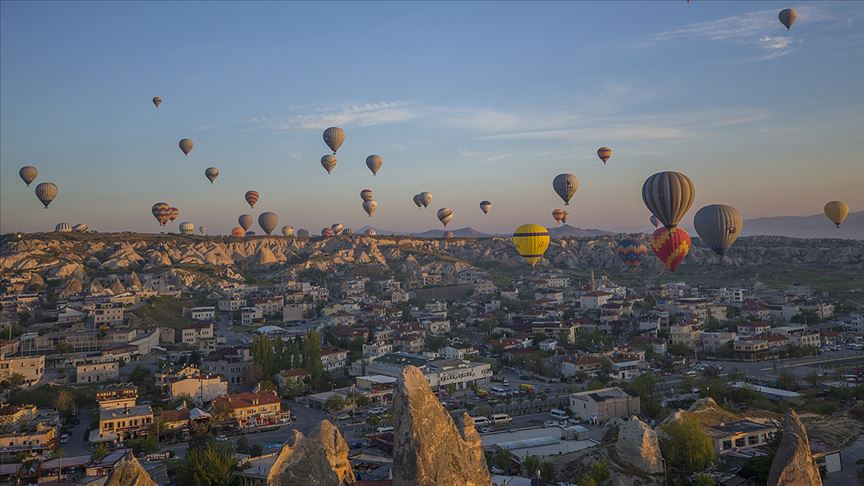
30,368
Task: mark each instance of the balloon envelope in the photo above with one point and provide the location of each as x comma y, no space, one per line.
287,230
836,212
28,174
670,246
655,221
237,231
605,153
337,228
531,242
559,215
186,145
370,206
631,252
445,215
80,228
485,206
202,230
268,221
251,198
63,228
668,195
565,186
46,192
425,199
211,174
157,100
303,233
245,221
371,232
187,228
374,163
366,194
328,162
334,137
719,226
417,200
787,17
162,212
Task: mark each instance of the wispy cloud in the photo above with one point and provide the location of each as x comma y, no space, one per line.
363,115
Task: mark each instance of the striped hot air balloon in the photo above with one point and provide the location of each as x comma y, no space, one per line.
445,215
417,200
668,195
252,198
448,234
328,162
174,213
237,231
327,232
531,242
719,226
670,246
337,228
631,252
334,137
46,192
187,228
80,228
63,228
162,212
605,153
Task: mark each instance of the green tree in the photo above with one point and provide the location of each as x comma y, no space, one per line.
703,480
686,447
600,472
100,452
547,471
212,465
531,464
586,481
334,404
787,381
64,402
503,460
312,354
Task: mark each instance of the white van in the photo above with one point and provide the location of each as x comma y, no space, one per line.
501,418
558,414
498,391
481,421
382,430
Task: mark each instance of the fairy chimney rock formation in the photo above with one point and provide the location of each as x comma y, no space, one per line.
129,472
637,446
428,448
318,460
794,464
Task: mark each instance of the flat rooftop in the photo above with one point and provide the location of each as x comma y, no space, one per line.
541,441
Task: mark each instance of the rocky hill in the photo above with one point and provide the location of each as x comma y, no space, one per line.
195,260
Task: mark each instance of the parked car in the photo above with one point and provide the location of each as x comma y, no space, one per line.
221,438
377,411
64,438
550,423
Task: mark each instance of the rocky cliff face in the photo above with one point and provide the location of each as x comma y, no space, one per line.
318,460
428,448
794,464
129,472
636,446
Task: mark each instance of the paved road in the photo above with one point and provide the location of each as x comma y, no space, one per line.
78,439
849,457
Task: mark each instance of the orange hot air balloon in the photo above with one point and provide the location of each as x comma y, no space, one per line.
237,231
670,246
174,213
605,153
186,145
252,198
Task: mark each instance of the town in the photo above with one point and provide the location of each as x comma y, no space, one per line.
98,366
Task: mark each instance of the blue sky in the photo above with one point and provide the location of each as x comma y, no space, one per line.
469,101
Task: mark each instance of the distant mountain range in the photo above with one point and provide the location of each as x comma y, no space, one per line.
815,226
469,232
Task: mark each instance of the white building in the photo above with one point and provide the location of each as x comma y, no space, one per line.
594,300
203,313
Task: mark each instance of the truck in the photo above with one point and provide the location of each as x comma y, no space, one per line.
526,387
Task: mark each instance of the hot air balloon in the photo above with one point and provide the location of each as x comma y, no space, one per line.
157,100
370,206
251,198
366,194
211,174
337,228
655,221
837,212
445,215
202,230
81,228
559,215
250,233
426,199
303,233
63,228
28,174
237,231
333,137
328,162
417,200
787,17
374,163
46,192
187,228
605,153
370,232
670,245
287,230
268,221
668,195
719,226
327,233
162,212
631,252
565,186
531,241
448,234
245,221
485,206
186,145
174,213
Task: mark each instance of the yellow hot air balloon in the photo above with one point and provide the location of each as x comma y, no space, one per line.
531,241
837,212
